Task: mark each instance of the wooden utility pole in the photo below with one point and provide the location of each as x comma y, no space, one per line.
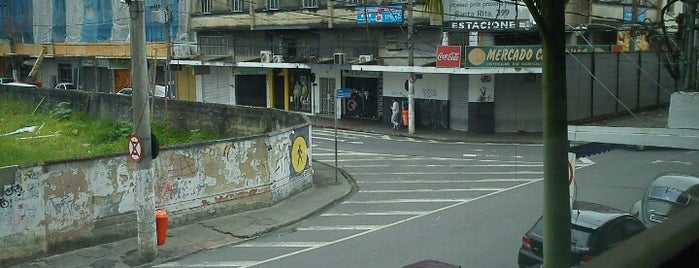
550,18
411,77
143,175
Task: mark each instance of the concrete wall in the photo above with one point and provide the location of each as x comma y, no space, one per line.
63,205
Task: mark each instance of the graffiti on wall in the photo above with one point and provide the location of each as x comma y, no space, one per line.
20,205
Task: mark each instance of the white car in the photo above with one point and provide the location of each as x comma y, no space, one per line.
127,91
65,86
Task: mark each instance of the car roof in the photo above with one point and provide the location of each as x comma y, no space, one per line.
676,180
593,215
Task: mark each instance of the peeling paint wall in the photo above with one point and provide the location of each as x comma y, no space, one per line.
54,207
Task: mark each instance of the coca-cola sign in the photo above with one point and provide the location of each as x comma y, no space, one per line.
449,56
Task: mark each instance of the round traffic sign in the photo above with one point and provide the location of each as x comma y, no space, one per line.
135,151
299,154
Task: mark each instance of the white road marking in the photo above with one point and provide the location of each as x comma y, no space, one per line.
444,181
432,190
397,223
385,213
254,244
470,155
450,173
211,264
452,165
340,228
416,200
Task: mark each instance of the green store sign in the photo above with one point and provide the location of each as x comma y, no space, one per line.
517,56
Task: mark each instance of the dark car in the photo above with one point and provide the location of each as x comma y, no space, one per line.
665,195
595,229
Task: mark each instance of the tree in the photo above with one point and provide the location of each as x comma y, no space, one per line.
550,18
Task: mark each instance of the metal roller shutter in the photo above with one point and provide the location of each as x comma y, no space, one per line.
458,102
518,103
217,87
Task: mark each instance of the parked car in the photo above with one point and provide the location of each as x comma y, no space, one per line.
4,80
595,228
665,195
65,86
127,91
19,84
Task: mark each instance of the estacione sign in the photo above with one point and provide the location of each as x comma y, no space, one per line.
521,56
449,56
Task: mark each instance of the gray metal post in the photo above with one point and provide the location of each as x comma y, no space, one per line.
143,176
411,77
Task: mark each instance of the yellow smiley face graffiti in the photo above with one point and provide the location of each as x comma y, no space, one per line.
299,154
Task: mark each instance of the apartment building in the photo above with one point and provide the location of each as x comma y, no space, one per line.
295,54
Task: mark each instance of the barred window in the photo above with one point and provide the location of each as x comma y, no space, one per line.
236,5
310,3
206,6
273,4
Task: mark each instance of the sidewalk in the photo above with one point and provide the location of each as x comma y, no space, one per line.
213,233
326,191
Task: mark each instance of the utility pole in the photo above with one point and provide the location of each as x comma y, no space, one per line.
411,77
168,50
633,46
143,175
690,73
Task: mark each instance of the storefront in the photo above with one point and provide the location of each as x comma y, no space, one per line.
366,89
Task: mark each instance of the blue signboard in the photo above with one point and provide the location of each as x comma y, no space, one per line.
344,93
380,14
628,13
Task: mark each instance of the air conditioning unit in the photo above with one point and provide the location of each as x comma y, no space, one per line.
365,58
265,56
278,59
339,58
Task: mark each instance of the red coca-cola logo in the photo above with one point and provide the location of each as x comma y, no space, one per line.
449,56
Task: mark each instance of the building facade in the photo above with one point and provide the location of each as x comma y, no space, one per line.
294,55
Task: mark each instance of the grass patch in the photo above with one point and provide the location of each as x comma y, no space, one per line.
61,133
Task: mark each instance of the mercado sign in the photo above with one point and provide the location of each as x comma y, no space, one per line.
477,15
517,56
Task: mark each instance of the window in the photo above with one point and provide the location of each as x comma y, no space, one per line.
310,3
272,4
65,72
236,5
214,45
206,6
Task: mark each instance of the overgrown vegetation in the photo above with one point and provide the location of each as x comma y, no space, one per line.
53,133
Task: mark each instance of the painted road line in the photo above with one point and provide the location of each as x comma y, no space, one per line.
416,200
444,181
211,264
449,173
451,165
398,222
340,228
254,244
433,190
386,213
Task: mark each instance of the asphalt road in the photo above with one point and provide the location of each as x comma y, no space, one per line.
460,203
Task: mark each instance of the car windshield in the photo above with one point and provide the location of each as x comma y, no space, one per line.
669,194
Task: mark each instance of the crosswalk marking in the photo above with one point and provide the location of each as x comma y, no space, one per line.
385,213
254,244
432,190
451,173
340,228
444,181
211,264
416,200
